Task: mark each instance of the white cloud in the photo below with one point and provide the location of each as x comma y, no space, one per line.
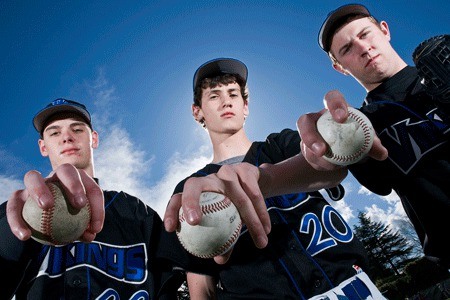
179,168
343,208
8,185
120,166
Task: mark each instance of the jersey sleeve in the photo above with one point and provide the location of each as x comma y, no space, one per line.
283,145
368,175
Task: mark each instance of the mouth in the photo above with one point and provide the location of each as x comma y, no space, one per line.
227,114
372,61
69,151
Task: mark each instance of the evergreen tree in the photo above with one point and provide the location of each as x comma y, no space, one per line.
388,251
407,230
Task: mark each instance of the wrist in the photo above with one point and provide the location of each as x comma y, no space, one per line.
265,179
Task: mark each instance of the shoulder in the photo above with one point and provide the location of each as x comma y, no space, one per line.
284,138
277,147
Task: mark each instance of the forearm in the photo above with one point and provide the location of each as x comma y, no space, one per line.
296,175
201,287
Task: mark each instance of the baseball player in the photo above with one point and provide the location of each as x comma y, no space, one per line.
312,252
132,257
405,115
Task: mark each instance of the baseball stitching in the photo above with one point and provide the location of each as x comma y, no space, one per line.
47,215
46,218
367,134
210,209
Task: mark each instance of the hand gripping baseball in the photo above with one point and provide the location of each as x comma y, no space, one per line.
59,225
218,230
348,142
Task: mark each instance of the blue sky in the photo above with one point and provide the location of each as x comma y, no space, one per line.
132,62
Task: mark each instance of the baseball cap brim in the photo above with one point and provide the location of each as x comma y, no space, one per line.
218,67
60,106
332,22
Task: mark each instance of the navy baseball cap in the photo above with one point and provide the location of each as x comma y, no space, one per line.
336,19
58,106
220,66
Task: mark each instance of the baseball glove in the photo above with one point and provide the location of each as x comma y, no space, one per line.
432,60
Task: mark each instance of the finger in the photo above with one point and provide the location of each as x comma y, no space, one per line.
88,236
335,102
14,208
222,259
38,190
97,204
378,151
193,187
172,212
317,161
309,134
81,189
70,179
241,186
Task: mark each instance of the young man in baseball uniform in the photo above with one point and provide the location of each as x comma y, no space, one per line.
413,128
311,251
130,255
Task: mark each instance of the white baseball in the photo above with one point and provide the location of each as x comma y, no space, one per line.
59,225
218,230
348,142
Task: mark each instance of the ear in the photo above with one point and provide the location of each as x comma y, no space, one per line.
340,69
246,110
95,139
385,29
42,147
197,113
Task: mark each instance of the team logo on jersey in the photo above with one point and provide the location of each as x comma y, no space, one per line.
411,135
123,263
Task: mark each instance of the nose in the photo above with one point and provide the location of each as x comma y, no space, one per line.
364,47
67,136
227,101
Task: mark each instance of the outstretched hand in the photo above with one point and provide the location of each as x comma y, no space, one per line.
312,144
80,188
239,183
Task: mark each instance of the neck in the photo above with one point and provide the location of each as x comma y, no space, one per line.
226,146
88,169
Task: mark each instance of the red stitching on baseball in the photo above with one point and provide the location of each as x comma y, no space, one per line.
208,209
361,151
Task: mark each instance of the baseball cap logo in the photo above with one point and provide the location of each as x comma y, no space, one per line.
59,101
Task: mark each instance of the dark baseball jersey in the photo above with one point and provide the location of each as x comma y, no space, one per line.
416,133
311,249
131,258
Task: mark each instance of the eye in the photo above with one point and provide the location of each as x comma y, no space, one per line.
346,50
53,133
